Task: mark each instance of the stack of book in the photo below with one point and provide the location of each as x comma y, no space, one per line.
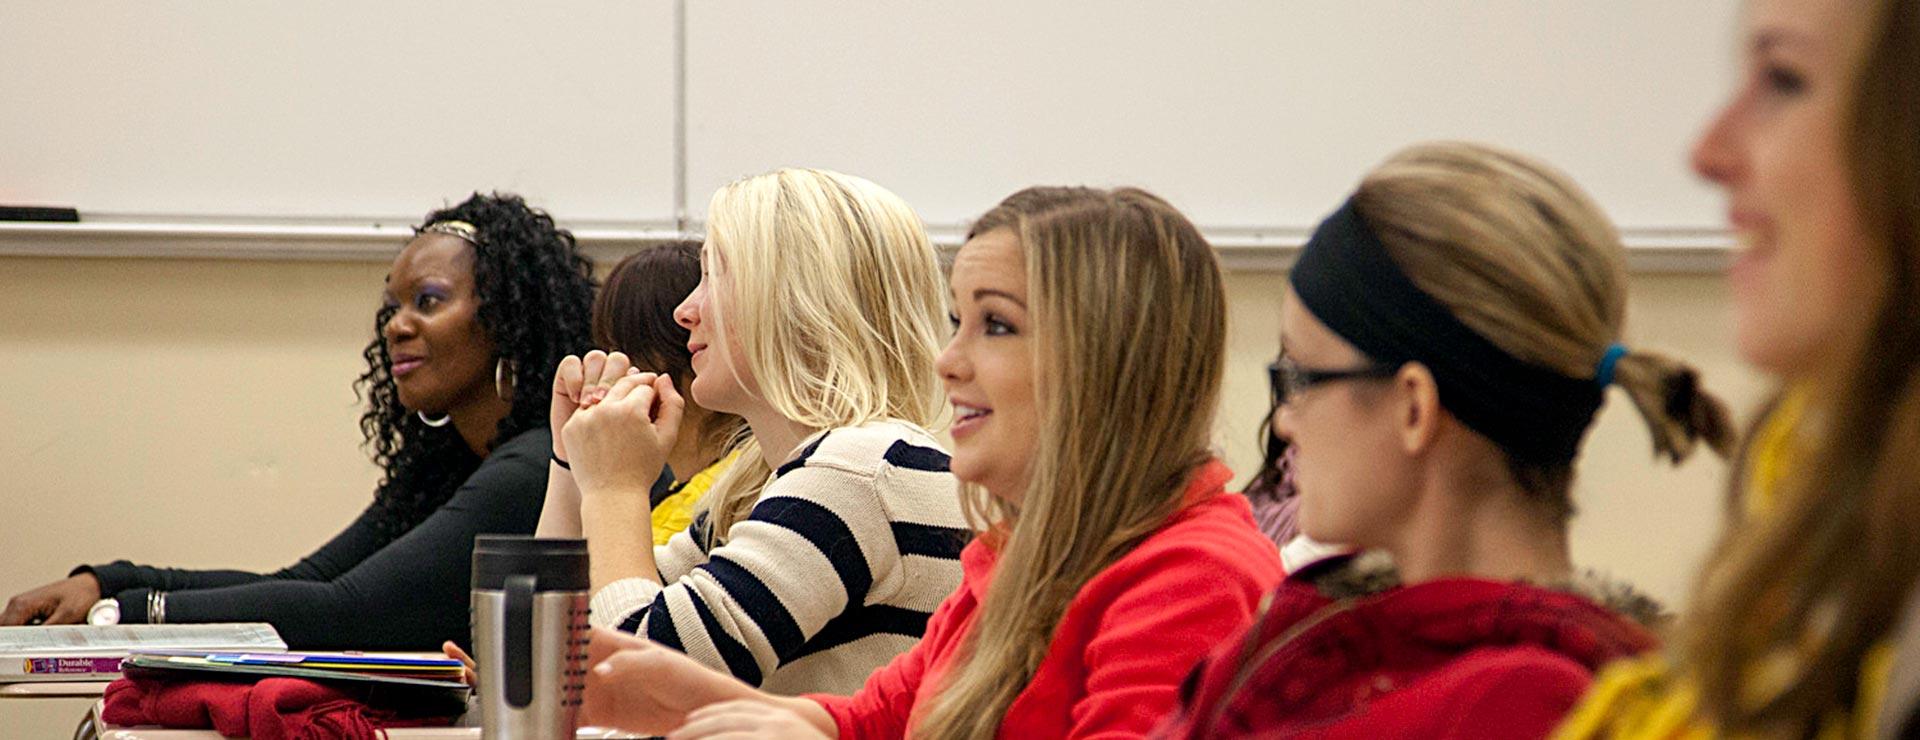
94,652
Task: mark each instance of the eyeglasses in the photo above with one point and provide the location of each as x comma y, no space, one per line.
1288,379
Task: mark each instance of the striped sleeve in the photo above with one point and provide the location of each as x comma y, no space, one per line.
809,550
623,604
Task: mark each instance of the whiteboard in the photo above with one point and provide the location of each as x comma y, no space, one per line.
1254,116
305,110
1244,113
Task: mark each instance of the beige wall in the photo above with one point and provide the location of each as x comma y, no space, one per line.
176,412
199,413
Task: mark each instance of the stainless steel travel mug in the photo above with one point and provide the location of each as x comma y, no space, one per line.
530,635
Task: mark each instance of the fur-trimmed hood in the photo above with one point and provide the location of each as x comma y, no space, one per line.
1373,572
1343,650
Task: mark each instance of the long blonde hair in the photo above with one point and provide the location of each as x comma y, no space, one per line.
1824,577
1129,316
1518,253
835,296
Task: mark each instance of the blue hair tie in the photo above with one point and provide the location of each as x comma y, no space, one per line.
1603,375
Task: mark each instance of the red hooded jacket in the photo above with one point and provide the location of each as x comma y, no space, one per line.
1452,658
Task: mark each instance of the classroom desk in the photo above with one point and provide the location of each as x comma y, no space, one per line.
52,689
92,728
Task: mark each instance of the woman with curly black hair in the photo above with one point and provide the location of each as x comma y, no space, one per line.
478,310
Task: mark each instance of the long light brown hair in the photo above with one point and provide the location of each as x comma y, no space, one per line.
1129,317
1811,588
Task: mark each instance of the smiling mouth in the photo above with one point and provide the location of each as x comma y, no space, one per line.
967,418
404,365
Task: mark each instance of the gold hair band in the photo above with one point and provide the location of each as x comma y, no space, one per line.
458,229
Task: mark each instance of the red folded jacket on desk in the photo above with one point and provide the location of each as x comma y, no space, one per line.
270,709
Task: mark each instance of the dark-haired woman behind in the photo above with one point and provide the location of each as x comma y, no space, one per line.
1276,507
634,316
479,308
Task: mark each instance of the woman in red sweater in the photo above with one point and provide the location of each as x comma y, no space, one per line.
1447,339
1113,558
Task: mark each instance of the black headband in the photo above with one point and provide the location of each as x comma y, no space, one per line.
1346,278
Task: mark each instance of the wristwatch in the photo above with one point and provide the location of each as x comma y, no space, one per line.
104,611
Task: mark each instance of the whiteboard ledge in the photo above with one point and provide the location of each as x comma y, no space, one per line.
1242,249
261,241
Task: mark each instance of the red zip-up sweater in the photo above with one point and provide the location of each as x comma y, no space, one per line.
1127,639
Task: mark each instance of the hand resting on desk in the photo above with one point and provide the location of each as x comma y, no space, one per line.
65,601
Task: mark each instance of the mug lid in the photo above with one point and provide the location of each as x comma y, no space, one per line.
557,564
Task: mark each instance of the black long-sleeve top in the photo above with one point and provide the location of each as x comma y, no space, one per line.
362,590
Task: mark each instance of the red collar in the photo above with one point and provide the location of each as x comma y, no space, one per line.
1464,613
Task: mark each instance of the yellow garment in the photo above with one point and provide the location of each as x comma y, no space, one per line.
675,513
1772,453
1646,699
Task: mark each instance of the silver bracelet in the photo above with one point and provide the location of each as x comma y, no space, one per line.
156,607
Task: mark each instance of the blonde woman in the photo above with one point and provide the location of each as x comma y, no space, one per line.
1799,614
1115,557
1448,335
821,552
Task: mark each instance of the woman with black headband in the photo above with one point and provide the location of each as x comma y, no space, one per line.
1449,334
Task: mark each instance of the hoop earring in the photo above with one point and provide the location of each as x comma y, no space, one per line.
432,422
503,380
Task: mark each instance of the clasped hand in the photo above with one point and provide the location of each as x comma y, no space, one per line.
613,423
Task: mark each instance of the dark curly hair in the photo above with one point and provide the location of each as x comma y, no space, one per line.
536,297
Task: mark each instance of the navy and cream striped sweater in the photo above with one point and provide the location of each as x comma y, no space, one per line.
835,572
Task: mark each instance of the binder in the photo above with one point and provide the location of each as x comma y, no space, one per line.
376,680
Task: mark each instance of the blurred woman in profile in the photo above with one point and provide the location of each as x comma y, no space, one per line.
1799,614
